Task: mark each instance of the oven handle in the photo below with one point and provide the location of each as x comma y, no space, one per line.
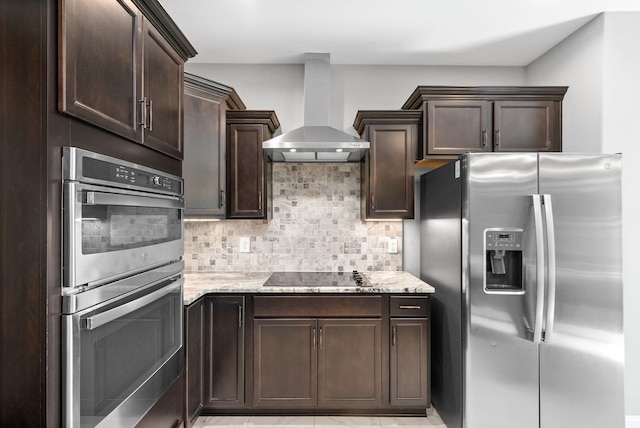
106,317
101,198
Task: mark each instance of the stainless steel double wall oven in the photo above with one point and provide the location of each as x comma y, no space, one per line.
122,288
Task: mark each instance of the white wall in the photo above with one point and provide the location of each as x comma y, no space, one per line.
601,65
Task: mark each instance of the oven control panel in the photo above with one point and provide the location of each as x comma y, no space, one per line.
131,176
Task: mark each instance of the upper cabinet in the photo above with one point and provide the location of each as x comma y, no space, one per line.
457,120
387,170
120,68
205,146
248,171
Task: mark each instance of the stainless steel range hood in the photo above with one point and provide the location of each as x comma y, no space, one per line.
316,141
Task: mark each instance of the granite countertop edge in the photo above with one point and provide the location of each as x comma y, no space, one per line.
197,284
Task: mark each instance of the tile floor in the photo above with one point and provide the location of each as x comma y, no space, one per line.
432,420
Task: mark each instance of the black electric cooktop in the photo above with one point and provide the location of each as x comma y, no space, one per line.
317,279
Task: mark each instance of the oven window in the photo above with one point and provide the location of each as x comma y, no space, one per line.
119,356
108,228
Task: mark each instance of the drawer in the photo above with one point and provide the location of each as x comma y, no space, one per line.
317,306
415,307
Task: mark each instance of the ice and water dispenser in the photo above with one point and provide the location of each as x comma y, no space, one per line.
503,261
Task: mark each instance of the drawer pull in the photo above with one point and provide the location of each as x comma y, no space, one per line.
410,306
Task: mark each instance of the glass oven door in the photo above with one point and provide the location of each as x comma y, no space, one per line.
111,233
120,357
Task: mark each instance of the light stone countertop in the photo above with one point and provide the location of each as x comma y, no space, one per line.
198,284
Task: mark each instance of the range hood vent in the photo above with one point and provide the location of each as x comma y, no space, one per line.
316,141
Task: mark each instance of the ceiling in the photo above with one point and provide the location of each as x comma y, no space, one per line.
382,32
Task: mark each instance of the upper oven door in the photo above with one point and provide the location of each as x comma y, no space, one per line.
110,233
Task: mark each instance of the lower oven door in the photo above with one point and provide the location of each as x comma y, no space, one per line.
120,357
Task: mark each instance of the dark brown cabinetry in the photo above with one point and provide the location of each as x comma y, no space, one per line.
349,363
194,346
387,171
285,363
409,375
43,66
457,120
214,354
333,363
205,145
316,354
117,71
224,351
248,171
161,94
302,359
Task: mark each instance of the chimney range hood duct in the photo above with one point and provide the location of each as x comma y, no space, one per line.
316,141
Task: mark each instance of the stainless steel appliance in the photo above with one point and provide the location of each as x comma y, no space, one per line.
122,288
524,250
316,141
118,218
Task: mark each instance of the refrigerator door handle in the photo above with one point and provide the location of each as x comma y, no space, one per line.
551,265
540,250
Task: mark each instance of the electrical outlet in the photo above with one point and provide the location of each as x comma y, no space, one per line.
393,245
245,245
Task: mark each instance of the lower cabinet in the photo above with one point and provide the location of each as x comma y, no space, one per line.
320,353
194,359
349,363
331,363
214,355
409,374
224,351
409,353
285,360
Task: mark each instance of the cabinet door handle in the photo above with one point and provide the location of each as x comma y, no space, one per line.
393,336
409,306
497,139
239,316
373,202
320,339
260,200
484,138
222,199
314,338
143,112
150,115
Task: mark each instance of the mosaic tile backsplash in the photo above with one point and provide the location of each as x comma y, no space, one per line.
316,226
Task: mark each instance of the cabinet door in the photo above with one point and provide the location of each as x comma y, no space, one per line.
204,166
101,64
225,351
409,359
246,183
455,127
522,126
349,363
390,171
194,361
285,363
163,88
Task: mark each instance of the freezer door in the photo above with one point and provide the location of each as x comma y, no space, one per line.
581,358
501,359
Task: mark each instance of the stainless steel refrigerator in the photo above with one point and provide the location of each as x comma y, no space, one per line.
524,250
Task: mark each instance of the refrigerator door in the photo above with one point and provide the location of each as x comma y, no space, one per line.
582,356
501,359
